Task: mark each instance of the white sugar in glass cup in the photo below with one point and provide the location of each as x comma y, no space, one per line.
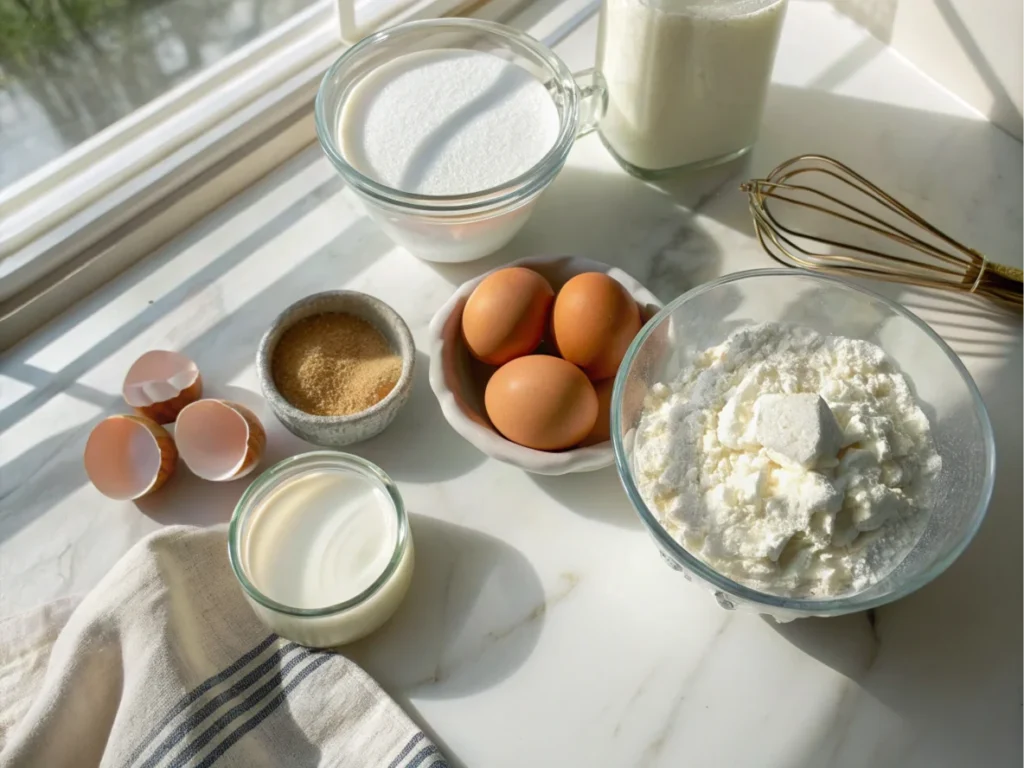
430,222
322,548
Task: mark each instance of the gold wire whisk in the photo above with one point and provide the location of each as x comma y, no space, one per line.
916,252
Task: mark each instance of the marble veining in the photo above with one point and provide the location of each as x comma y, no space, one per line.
542,626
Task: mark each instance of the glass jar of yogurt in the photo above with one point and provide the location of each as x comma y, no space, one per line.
686,79
322,548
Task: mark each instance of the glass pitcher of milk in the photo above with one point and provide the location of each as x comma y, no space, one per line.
686,79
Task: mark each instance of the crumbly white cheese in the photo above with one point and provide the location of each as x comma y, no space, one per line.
797,430
838,526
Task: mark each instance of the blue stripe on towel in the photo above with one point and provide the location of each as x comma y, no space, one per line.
198,691
222,722
262,715
196,719
408,748
422,755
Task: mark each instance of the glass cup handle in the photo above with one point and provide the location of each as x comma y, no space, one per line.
593,99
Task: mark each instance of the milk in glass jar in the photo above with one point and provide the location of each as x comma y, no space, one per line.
686,79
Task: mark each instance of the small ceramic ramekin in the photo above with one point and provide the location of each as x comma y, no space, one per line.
338,431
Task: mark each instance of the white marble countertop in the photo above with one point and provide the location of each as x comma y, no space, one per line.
543,628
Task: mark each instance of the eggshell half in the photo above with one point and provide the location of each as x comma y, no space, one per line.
160,383
127,457
219,440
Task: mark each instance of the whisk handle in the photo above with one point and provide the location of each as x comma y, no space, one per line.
1010,273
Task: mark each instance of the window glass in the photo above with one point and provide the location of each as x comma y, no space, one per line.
70,68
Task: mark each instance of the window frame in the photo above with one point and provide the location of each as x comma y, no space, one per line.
198,145
66,207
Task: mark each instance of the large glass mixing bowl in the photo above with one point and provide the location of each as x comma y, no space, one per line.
706,316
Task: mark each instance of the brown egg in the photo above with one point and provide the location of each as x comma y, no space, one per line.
506,315
541,402
602,427
594,321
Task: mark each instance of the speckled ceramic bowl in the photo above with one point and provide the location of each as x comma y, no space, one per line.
337,431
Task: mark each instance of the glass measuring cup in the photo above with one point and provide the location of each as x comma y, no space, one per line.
463,227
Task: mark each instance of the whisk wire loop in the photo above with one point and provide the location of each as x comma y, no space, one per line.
924,254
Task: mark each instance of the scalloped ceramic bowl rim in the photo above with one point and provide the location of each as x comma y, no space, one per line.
787,605
488,441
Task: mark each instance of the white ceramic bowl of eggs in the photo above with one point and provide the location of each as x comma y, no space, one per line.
524,371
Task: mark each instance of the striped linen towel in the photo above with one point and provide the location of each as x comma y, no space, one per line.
164,665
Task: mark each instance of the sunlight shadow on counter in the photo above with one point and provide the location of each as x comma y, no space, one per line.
402,449
473,615
665,246
595,495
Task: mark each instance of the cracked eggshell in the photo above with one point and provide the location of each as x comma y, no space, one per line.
128,457
219,440
160,383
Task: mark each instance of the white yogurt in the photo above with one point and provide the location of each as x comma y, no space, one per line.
447,122
687,79
317,540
